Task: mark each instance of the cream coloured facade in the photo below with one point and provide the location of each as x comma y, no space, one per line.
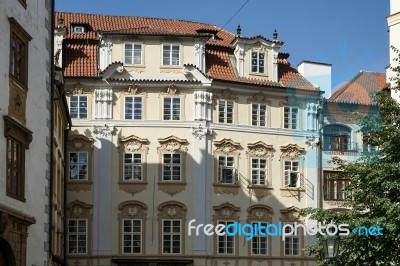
176,125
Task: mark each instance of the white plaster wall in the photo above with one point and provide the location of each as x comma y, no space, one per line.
394,6
319,75
33,20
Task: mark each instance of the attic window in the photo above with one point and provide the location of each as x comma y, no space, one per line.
78,29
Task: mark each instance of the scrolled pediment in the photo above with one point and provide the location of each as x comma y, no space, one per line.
292,214
291,151
226,211
79,141
79,209
132,208
172,209
172,144
226,146
259,149
132,143
260,212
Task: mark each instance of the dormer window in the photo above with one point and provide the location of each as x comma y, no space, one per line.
78,29
257,62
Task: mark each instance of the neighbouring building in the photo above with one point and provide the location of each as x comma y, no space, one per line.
394,41
340,133
176,120
25,104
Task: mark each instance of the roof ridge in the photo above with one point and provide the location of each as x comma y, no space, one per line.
126,16
341,90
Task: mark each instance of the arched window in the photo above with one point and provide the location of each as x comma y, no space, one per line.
337,138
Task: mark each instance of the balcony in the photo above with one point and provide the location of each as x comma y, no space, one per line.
343,147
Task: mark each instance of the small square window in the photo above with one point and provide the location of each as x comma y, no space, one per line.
78,29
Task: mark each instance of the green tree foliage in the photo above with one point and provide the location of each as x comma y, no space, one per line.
374,192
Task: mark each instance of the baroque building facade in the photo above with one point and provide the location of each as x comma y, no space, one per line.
175,121
25,105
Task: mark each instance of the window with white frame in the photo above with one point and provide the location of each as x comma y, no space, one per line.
259,243
77,236
171,242
225,112
291,118
292,176
257,62
226,243
78,166
132,236
172,108
78,29
259,114
292,242
78,107
259,171
133,107
132,166
171,54
133,53
171,168
226,170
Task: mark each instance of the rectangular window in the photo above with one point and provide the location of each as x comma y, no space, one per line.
258,114
132,236
19,42
171,236
291,117
226,170
292,178
133,53
225,112
226,243
292,242
257,62
15,168
171,167
259,243
78,166
133,108
334,187
77,236
172,108
132,166
258,171
78,29
171,55
78,107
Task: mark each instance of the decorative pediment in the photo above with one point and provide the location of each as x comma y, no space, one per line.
259,97
79,209
291,151
172,90
226,146
259,149
172,209
78,89
292,214
172,144
78,142
132,90
132,144
131,209
260,212
226,211
227,95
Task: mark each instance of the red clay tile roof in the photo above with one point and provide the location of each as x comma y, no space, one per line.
81,53
359,89
289,76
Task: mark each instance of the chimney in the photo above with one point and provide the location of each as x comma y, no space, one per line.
318,74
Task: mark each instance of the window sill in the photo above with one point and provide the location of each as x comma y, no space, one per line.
172,187
132,65
132,187
16,197
260,191
169,67
73,185
225,188
264,75
18,83
295,192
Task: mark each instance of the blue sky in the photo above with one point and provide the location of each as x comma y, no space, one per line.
349,34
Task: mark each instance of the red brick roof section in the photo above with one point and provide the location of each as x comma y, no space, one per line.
81,49
359,89
80,59
289,76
